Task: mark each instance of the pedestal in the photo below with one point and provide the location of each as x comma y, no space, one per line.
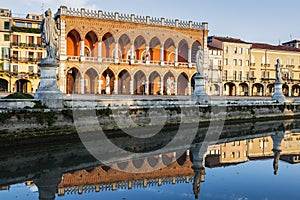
48,92
278,94
199,91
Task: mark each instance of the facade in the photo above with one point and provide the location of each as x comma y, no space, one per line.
112,53
236,63
262,69
21,50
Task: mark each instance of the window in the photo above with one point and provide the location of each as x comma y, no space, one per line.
241,62
225,74
235,50
234,75
6,25
241,50
225,61
15,68
247,63
15,39
39,54
6,37
30,40
6,66
241,75
30,68
29,25
20,24
226,49
248,51
5,52
235,62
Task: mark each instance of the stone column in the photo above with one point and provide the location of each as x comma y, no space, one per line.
132,54
147,55
176,57
162,62
116,56
131,87
100,51
81,85
189,57
162,87
175,88
62,80
99,85
146,87
189,88
82,50
116,88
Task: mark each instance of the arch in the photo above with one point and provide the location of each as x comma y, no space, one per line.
215,89
122,166
154,83
124,79
91,81
24,86
270,89
153,161
91,42
137,163
107,82
195,48
169,50
182,84
73,81
3,85
154,48
243,89
108,45
139,82
230,89
167,159
169,83
257,89
124,46
140,47
183,51
73,43
295,90
285,90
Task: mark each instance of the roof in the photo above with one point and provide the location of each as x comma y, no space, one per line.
230,40
272,47
293,41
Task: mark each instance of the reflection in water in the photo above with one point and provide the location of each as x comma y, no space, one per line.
70,170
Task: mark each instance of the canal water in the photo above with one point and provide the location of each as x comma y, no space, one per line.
251,160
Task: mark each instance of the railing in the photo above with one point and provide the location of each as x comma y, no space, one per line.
130,18
19,59
29,45
126,61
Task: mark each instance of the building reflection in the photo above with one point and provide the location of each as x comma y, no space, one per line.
187,166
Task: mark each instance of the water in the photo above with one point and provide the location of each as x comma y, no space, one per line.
260,164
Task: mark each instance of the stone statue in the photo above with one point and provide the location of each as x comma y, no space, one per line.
278,75
107,80
199,60
50,35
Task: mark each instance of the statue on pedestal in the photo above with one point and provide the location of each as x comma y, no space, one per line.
278,74
50,35
199,60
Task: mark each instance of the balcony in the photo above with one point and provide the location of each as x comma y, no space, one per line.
128,61
25,60
29,45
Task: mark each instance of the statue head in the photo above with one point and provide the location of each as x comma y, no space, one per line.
48,12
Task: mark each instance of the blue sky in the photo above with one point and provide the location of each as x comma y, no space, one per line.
265,21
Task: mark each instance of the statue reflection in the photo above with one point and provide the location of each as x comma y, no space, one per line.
198,152
277,138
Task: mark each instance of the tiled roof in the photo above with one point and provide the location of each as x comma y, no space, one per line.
229,39
271,47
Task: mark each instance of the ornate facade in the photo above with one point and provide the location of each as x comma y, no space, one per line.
112,53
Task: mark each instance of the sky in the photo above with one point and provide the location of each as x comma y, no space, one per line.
263,21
